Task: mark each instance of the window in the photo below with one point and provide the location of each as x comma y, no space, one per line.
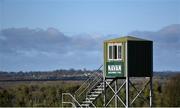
110,52
119,52
114,51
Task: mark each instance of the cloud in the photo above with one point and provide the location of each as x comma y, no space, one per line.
33,39
49,46
48,49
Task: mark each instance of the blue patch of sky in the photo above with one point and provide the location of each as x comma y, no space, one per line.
91,16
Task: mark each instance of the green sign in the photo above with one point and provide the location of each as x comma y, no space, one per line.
115,69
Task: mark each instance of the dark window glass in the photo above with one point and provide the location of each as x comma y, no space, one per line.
119,52
110,52
115,52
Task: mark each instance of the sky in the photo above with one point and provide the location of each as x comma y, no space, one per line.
55,34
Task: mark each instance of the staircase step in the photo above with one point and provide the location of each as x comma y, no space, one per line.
87,102
98,89
85,105
101,86
91,98
96,92
92,95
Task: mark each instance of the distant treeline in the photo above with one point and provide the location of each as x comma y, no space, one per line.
57,79
61,74
57,70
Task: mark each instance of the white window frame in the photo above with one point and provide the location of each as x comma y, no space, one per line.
114,44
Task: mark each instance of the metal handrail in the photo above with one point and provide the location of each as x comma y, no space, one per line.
88,79
71,97
85,88
94,85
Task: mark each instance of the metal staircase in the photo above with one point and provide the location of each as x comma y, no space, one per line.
88,92
94,94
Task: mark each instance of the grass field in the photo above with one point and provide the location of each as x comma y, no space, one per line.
49,93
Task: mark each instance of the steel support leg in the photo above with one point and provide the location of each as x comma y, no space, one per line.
150,92
127,91
115,98
104,93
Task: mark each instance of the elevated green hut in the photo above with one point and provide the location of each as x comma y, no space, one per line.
128,56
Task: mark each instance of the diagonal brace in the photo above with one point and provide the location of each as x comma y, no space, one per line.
139,92
115,93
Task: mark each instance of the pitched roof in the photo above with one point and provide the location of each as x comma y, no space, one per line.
126,38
